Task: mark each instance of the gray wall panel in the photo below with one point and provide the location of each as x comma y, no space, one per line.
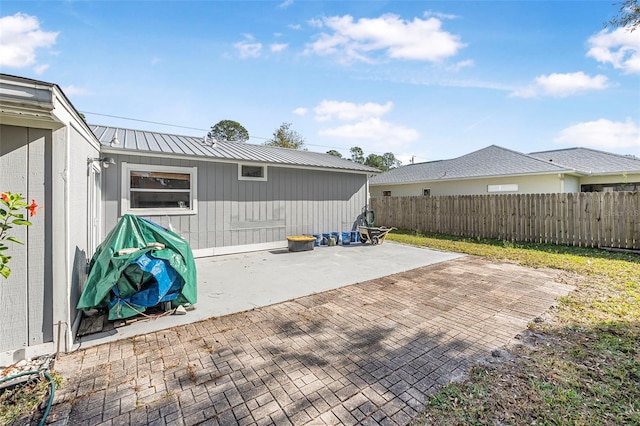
233,212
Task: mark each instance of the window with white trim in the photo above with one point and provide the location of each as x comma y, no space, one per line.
252,172
426,192
509,187
153,190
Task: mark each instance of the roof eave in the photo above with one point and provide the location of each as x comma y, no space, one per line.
212,159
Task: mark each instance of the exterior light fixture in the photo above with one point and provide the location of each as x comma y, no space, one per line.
105,161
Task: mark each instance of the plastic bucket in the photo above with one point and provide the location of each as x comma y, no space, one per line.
355,236
346,238
318,240
325,238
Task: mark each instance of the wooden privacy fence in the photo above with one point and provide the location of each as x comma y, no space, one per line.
587,219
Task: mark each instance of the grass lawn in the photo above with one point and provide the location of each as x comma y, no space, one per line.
581,366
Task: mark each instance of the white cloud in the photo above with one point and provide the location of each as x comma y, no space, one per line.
285,4
420,40
74,90
603,134
300,111
247,49
460,65
349,111
376,130
620,48
562,85
20,37
294,26
315,23
438,15
40,69
278,47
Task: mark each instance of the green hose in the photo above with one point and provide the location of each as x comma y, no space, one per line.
53,390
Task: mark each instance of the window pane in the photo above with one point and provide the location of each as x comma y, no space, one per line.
158,200
160,180
253,171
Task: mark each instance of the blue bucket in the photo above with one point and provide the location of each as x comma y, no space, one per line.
325,238
346,238
318,240
355,236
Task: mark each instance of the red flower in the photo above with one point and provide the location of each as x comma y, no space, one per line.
32,208
5,197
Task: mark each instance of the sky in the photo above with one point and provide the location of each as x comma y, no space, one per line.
423,80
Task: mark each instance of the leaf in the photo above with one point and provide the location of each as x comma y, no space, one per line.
21,222
3,247
5,271
15,240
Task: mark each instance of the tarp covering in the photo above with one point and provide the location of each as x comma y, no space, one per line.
129,283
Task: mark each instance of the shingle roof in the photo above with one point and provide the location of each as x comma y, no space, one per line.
590,160
154,142
490,161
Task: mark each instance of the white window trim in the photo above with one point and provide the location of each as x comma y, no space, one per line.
259,179
505,187
127,168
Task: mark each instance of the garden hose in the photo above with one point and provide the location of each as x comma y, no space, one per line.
53,390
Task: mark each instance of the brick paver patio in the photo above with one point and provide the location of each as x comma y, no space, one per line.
369,353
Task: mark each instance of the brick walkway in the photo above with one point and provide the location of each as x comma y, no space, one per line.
369,353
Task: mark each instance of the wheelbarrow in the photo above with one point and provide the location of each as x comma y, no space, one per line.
375,235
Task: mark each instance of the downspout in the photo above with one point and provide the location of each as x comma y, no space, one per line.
68,340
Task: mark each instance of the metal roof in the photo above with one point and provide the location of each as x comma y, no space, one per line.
487,162
191,146
590,161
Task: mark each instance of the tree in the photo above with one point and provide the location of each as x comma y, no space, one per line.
390,161
284,137
375,160
229,130
357,155
334,153
628,16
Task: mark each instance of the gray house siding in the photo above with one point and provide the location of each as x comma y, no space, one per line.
233,212
26,316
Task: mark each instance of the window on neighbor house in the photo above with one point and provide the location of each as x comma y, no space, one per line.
152,190
386,193
426,192
509,187
252,172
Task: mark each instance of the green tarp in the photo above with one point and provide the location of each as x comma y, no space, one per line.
115,282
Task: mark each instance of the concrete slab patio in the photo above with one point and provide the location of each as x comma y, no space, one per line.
368,353
236,283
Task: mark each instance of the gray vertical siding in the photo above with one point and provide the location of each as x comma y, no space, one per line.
234,212
25,314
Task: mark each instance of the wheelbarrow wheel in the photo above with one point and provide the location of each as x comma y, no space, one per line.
375,240
363,238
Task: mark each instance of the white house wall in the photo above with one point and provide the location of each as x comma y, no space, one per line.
245,214
535,184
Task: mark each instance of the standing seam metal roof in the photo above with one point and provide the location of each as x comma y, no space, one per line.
155,142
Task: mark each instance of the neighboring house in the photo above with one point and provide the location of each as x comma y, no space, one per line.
222,197
496,170
44,150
